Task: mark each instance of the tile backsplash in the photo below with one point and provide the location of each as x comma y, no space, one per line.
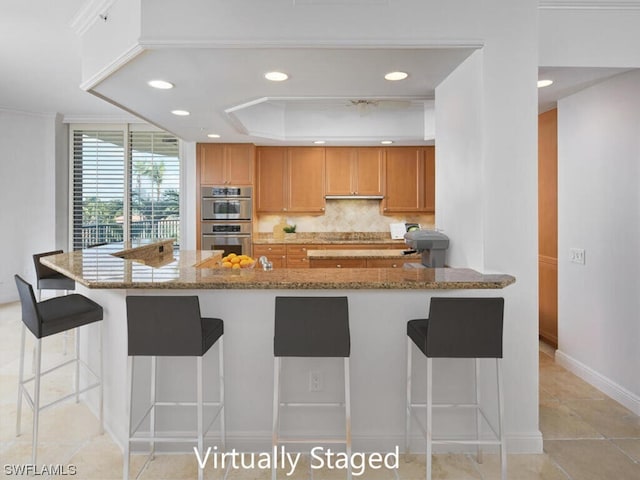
344,216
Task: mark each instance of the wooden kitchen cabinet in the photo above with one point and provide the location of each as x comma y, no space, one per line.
297,255
409,180
342,263
226,163
354,170
290,179
275,252
271,189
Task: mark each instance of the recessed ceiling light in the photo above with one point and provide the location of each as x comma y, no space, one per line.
319,142
161,84
213,135
180,113
276,76
544,83
386,142
394,76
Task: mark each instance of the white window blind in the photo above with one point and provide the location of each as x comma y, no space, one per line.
101,166
98,187
155,185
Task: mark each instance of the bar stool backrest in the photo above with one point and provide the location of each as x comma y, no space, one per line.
30,315
42,271
312,327
465,327
164,326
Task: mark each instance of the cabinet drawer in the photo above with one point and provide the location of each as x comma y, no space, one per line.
344,263
301,250
385,262
270,249
297,261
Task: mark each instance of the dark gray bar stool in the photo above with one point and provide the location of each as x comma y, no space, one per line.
458,328
55,315
49,279
311,327
171,326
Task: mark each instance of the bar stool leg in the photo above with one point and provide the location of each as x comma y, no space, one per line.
276,413
77,374
477,410
65,335
20,381
152,414
126,455
36,401
407,429
503,444
101,388
200,420
223,433
347,407
429,416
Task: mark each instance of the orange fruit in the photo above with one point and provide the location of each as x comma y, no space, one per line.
226,264
235,260
235,266
245,262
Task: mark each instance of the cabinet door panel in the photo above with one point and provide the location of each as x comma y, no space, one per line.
429,179
339,164
239,159
271,172
211,164
369,171
306,180
343,263
403,179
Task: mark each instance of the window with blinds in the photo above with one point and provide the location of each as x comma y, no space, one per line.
155,185
124,189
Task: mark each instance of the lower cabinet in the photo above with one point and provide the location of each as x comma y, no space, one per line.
275,252
342,263
294,255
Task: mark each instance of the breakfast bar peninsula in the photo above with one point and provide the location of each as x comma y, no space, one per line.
381,301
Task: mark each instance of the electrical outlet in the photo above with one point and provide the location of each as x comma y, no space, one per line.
576,255
315,381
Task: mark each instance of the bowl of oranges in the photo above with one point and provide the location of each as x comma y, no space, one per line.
237,262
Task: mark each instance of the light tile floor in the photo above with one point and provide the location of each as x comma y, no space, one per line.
586,435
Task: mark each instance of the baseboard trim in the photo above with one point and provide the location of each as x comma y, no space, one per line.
599,381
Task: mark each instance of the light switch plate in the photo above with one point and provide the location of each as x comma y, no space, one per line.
576,255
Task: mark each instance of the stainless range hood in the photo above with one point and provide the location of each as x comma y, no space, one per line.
354,197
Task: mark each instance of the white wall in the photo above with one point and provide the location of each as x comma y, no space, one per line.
459,163
27,194
599,210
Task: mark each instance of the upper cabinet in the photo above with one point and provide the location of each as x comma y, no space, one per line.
290,179
354,171
409,180
226,163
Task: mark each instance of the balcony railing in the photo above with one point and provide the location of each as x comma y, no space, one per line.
112,232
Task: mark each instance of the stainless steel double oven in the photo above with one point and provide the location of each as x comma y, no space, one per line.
226,219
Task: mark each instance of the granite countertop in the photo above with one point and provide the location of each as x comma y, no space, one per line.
329,238
373,253
98,268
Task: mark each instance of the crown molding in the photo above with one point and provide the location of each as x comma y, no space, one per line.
89,14
113,67
101,119
14,111
588,5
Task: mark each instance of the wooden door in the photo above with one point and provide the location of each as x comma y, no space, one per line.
548,226
404,180
211,158
339,165
239,163
306,180
271,167
368,171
